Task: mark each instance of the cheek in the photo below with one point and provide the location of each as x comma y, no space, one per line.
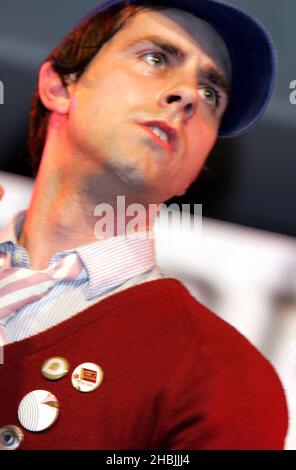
200,145
111,100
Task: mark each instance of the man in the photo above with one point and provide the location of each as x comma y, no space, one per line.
131,103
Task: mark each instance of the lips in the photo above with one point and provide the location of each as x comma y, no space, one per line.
172,143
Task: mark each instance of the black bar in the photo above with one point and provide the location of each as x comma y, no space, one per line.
148,459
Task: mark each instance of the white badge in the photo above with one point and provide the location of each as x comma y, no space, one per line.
87,377
38,410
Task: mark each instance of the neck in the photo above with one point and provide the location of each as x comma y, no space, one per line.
70,209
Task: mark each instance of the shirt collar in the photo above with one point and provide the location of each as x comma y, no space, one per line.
109,263
115,260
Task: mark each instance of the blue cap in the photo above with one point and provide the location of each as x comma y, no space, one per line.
252,55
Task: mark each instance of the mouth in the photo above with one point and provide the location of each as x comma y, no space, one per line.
163,134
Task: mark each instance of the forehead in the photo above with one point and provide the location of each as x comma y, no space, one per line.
187,31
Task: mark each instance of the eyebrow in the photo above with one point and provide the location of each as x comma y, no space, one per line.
210,73
163,44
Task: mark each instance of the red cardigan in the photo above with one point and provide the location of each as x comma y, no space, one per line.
176,376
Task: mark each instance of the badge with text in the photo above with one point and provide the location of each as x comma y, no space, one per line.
87,377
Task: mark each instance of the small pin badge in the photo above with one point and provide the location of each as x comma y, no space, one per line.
87,377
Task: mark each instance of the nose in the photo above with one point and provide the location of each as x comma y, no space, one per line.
182,100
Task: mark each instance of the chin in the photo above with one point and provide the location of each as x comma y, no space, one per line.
181,193
132,177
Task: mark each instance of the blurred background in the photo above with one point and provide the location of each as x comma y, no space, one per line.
243,266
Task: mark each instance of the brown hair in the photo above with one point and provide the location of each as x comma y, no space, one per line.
73,56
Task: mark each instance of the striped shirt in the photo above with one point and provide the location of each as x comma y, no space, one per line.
110,266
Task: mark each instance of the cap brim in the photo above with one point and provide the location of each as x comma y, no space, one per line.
252,54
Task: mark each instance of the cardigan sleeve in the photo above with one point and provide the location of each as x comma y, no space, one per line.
223,395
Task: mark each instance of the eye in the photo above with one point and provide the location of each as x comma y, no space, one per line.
157,59
210,95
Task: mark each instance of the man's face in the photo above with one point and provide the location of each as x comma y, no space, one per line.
149,106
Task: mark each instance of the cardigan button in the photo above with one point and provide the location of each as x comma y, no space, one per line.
38,410
55,368
87,377
11,437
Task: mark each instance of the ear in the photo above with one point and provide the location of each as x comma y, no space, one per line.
53,94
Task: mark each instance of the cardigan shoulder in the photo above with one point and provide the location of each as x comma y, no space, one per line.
234,392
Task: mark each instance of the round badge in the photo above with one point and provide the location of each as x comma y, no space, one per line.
38,410
55,368
11,437
87,377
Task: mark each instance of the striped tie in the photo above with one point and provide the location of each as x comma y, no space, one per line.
20,286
